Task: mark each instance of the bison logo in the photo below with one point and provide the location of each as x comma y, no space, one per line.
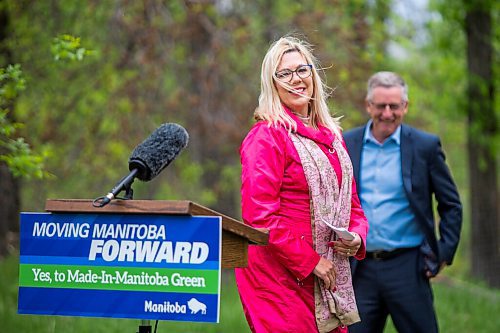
195,306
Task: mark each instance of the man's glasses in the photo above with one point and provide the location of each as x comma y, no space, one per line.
392,106
286,75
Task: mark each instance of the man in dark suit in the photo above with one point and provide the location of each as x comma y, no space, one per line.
398,169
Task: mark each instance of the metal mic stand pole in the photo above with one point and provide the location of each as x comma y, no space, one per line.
145,326
129,192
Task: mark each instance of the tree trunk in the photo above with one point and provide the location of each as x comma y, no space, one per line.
9,186
482,131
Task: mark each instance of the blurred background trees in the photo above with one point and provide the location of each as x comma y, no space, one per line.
197,63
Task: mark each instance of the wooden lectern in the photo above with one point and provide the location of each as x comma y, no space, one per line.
236,236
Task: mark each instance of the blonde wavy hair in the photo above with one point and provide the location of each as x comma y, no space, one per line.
270,108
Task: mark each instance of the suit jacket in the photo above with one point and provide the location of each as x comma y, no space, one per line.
425,174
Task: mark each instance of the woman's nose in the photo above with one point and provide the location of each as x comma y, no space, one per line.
295,77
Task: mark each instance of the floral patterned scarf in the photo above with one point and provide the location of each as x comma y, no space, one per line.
332,203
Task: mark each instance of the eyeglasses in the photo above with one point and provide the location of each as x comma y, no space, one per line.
392,106
286,75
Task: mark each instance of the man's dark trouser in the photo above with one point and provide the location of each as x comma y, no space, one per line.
395,286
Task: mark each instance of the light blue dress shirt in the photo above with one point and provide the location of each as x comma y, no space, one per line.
383,198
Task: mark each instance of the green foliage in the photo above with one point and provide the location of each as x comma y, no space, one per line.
23,162
198,65
12,82
68,47
7,128
18,156
192,63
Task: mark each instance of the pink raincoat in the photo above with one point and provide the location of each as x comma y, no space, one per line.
277,287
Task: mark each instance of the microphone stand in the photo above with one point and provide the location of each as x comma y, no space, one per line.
129,192
145,326
124,184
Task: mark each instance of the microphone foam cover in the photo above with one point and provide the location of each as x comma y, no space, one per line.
152,155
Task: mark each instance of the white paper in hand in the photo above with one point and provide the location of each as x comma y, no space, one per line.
341,232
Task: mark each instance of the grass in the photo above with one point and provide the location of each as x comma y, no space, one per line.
464,307
461,307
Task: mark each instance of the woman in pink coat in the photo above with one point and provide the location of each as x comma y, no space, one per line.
296,179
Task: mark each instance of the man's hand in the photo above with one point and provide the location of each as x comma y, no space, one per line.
430,275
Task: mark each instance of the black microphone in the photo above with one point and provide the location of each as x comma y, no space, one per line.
151,156
156,152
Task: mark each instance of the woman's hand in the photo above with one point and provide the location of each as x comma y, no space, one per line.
326,272
346,247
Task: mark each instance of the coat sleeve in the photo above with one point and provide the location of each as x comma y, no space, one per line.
448,205
358,222
263,160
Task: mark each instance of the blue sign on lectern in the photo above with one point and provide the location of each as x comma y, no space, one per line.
121,266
